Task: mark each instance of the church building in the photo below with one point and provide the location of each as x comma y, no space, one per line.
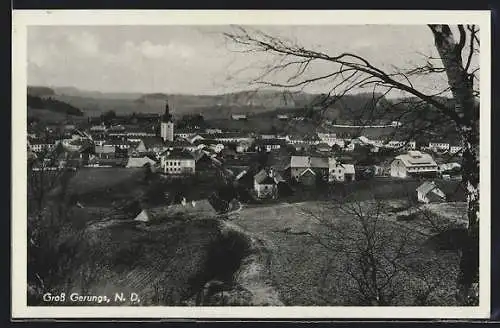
167,125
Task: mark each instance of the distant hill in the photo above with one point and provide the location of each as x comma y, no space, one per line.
356,107
40,91
47,103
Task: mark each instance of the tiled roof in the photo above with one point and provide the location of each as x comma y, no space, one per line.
425,187
179,155
416,158
263,178
150,142
139,161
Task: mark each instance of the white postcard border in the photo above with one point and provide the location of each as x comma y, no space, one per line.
22,19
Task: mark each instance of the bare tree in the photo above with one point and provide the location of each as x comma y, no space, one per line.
384,262
350,71
47,213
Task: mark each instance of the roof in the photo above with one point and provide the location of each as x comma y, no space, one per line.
178,143
195,207
263,178
205,142
139,161
300,161
415,158
349,168
270,142
178,155
307,170
225,135
323,145
449,166
150,142
105,149
425,187
319,162
198,154
309,161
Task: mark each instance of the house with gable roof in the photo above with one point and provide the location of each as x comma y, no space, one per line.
266,183
178,162
414,163
317,165
429,192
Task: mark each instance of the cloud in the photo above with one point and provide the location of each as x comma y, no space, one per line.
150,50
85,42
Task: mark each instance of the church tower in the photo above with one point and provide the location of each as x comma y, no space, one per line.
167,125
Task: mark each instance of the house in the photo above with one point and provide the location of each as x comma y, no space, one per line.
395,144
269,144
339,172
328,138
231,137
307,177
211,131
429,192
181,145
439,146
238,117
323,147
178,163
414,163
266,183
194,138
204,162
455,149
140,161
119,143
318,165
105,150
98,128
194,208
151,144
39,145
243,146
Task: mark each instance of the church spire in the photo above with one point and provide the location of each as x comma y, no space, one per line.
167,117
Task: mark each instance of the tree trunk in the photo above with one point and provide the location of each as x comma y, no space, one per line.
466,118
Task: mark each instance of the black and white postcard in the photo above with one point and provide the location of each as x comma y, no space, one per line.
251,164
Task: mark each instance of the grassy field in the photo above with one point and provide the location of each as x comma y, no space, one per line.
103,186
161,263
307,273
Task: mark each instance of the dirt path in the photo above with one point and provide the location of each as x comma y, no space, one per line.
254,272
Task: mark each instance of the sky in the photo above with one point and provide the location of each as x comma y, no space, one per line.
198,59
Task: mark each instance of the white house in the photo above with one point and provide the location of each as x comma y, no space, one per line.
455,149
212,131
329,138
266,184
98,128
243,146
139,161
216,147
413,163
338,172
439,146
429,192
178,163
238,117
